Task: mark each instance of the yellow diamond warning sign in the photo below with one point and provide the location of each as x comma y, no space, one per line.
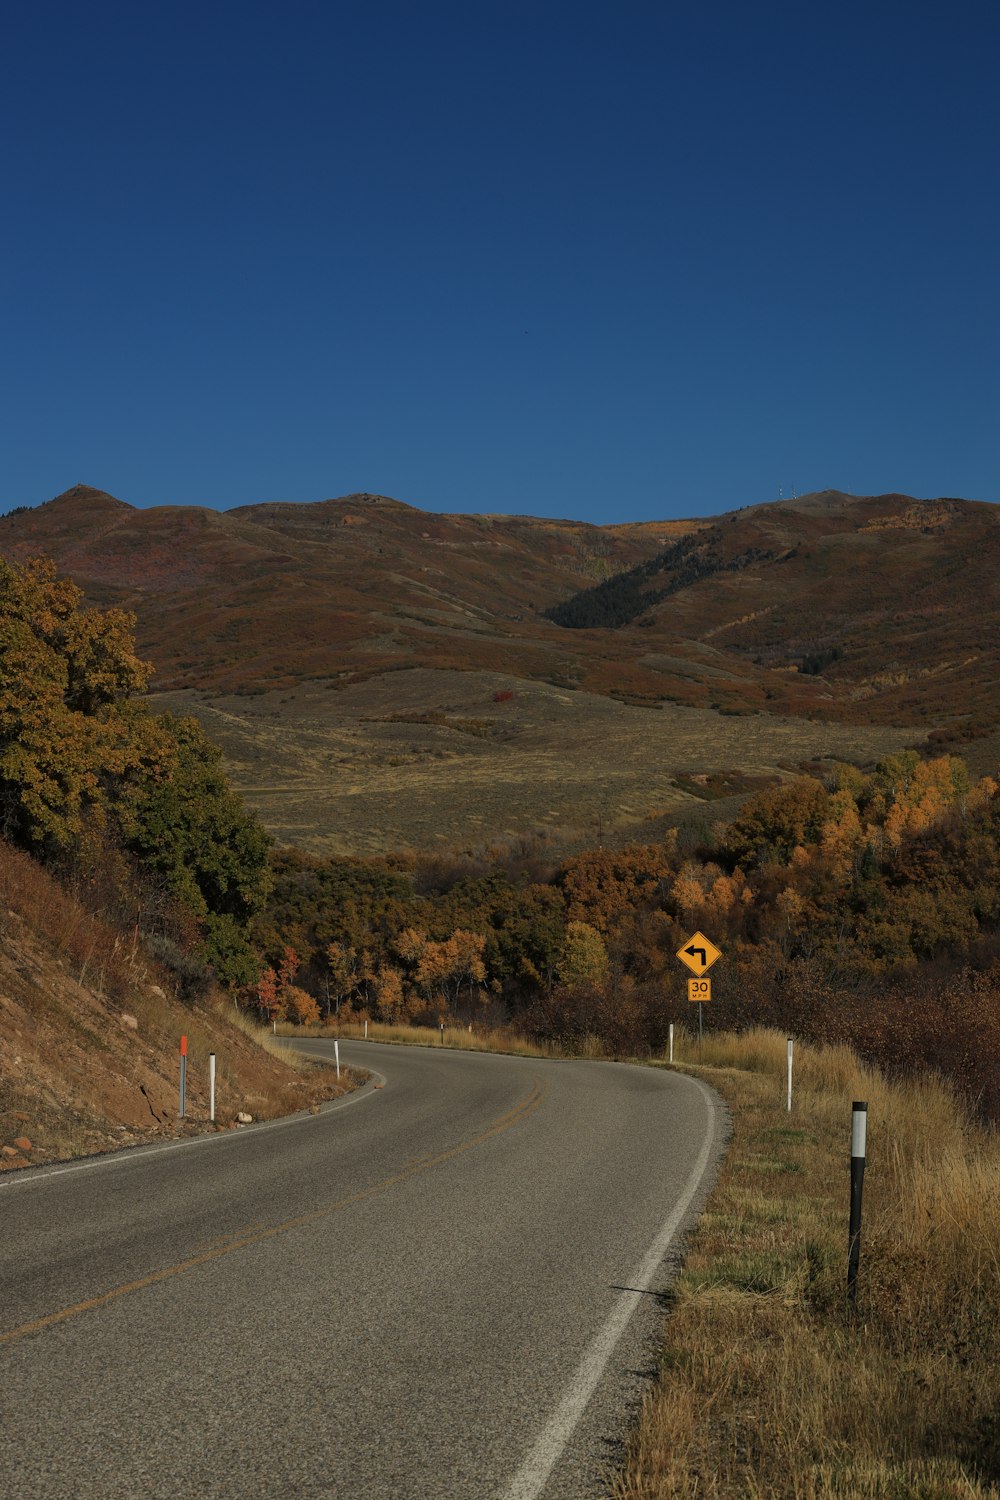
699,953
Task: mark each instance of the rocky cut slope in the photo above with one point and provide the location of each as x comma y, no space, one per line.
90,1030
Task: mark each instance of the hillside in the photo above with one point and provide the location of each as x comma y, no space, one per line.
745,610
893,602
90,1028
264,596
378,674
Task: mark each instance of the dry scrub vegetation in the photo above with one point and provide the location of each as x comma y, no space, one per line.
89,1035
769,1386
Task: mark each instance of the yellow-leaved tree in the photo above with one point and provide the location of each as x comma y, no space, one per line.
69,730
85,766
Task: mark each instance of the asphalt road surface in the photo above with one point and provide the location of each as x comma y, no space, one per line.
445,1287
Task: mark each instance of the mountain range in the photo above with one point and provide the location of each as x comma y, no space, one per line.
877,613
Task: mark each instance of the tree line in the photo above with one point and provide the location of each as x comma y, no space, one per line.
863,872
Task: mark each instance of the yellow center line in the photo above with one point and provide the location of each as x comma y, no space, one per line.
242,1240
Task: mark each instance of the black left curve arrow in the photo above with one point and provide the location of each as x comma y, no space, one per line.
698,953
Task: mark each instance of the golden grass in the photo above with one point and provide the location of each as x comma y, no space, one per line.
479,1039
769,1386
264,1036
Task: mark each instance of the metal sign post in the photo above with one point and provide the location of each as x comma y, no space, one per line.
700,993
211,1087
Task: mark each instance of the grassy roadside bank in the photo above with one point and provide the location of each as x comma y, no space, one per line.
768,1387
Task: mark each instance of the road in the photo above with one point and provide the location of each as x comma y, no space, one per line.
442,1287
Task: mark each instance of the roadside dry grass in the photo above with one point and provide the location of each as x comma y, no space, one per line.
479,1039
768,1386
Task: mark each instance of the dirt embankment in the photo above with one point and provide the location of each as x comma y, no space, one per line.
90,1037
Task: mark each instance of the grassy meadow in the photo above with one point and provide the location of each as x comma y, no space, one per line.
426,759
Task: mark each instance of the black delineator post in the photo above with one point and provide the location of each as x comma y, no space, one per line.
859,1134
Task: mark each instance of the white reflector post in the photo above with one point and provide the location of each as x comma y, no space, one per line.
859,1129
859,1140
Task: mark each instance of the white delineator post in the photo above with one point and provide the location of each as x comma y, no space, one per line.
859,1146
336,1053
671,1041
790,1046
366,1028
211,1087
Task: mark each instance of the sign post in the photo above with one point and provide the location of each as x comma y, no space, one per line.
699,953
184,1068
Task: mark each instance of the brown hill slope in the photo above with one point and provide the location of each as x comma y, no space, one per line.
888,603
895,602
266,595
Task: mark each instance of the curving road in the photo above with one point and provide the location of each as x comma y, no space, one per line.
444,1287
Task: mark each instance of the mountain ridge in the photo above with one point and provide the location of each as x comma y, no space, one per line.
379,675
892,594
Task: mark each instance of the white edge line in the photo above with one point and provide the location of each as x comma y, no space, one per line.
130,1155
531,1478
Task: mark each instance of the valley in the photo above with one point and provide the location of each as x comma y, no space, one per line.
426,759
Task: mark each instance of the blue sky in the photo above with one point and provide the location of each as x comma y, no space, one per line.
608,261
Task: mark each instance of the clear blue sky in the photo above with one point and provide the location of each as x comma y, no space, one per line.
609,261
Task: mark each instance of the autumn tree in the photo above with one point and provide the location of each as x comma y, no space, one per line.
279,997
584,958
387,989
447,966
342,973
68,729
84,765
300,1006
771,825
603,887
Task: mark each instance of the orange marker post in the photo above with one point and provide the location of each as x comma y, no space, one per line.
184,1060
